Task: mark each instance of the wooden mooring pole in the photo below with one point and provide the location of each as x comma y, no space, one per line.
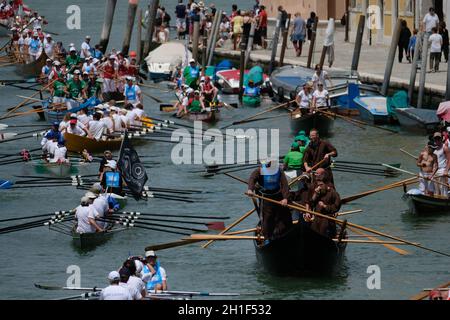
132,9
358,43
152,9
276,36
195,39
107,24
313,42
242,71
139,37
391,58
423,70
285,40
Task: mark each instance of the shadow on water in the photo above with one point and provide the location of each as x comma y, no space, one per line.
422,222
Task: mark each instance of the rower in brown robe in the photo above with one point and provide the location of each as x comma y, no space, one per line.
323,199
318,150
270,181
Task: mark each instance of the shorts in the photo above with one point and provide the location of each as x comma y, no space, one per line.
263,32
181,23
298,37
109,85
425,184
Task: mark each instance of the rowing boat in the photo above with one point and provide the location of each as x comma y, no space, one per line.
77,144
32,69
86,241
210,116
300,251
310,121
55,169
423,121
422,204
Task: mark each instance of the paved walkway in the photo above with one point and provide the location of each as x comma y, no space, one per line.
371,66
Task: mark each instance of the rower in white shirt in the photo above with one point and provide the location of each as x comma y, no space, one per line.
60,153
124,277
114,291
85,48
85,215
119,124
96,127
321,97
108,120
76,129
49,46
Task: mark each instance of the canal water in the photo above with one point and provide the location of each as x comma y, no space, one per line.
42,256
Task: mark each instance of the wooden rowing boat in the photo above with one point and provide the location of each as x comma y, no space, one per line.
300,251
426,294
32,69
77,144
310,121
421,204
210,116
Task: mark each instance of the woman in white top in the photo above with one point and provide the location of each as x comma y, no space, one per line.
320,76
304,98
321,98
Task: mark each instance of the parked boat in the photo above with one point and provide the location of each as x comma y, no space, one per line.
32,69
163,61
422,204
421,121
317,120
300,251
373,109
228,81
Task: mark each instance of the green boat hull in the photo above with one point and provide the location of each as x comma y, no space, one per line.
251,101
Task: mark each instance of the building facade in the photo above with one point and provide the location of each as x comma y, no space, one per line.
325,9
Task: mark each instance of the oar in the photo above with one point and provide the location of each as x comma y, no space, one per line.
172,215
152,97
317,165
340,222
388,246
37,216
231,226
356,122
384,188
3,126
137,223
21,138
258,114
409,154
417,176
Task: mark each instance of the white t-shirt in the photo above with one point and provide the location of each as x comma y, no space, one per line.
137,283
85,47
135,294
101,206
115,292
83,214
109,123
125,120
430,21
76,130
84,119
319,78
59,154
49,48
97,128
436,43
50,146
305,99
321,98
118,121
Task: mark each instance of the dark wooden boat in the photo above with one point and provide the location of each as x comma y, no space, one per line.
300,251
211,116
422,121
307,122
421,204
77,144
86,241
32,69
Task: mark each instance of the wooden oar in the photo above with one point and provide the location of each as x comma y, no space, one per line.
388,246
417,176
231,226
372,242
381,189
317,165
346,213
259,114
221,237
409,154
349,224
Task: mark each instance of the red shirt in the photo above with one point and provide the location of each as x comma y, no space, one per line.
263,19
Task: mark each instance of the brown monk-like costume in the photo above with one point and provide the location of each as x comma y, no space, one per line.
324,199
318,150
275,219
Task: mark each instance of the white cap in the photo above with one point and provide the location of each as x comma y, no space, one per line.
112,56
77,72
112,164
113,276
96,188
72,49
91,195
88,37
84,200
130,78
202,79
150,253
49,60
48,35
57,63
95,60
35,34
189,91
192,60
73,115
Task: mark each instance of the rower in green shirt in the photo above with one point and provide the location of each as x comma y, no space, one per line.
76,89
294,159
195,104
73,61
59,90
93,87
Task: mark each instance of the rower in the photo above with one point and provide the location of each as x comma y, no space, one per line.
107,156
158,274
294,159
73,61
320,76
49,46
76,89
135,281
317,151
83,117
321,97
119,124
59,91
113,204
442,153
110,74
60,153
251,90
53,133
186,95
191,74
96,127
195,104
108,121
132,92
35,47
324,199
76,129
45,72
89,66
114,291
86,48
125,275
301,136
100,205
135,115
428,164
304,99
271,182
85,215
56,72
209,91
111,180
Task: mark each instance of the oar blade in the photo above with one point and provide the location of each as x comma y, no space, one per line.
217,226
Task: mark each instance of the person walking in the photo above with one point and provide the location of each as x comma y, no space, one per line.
310,24
443,31
435,51
298,34
403,43
412,45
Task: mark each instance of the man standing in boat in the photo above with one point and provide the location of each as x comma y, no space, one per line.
271,182
85,215
428,164
442,153
76,89
191,74
132,92
319,151
158,274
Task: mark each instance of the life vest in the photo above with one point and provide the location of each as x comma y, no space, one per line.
207,87
254,92
131,93
156,279
112,179
34,45
271,182
109,71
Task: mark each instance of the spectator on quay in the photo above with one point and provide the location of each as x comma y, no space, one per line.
180,13
263,26
298,34
412,45
403,43
443,31
310,24
237,22
436,49
284,17
430,21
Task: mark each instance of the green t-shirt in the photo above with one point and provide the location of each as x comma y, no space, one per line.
75,88
93,89
191,76
70,62
59,87
195,106
294,159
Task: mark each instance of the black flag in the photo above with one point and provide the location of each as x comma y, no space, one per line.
133,172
